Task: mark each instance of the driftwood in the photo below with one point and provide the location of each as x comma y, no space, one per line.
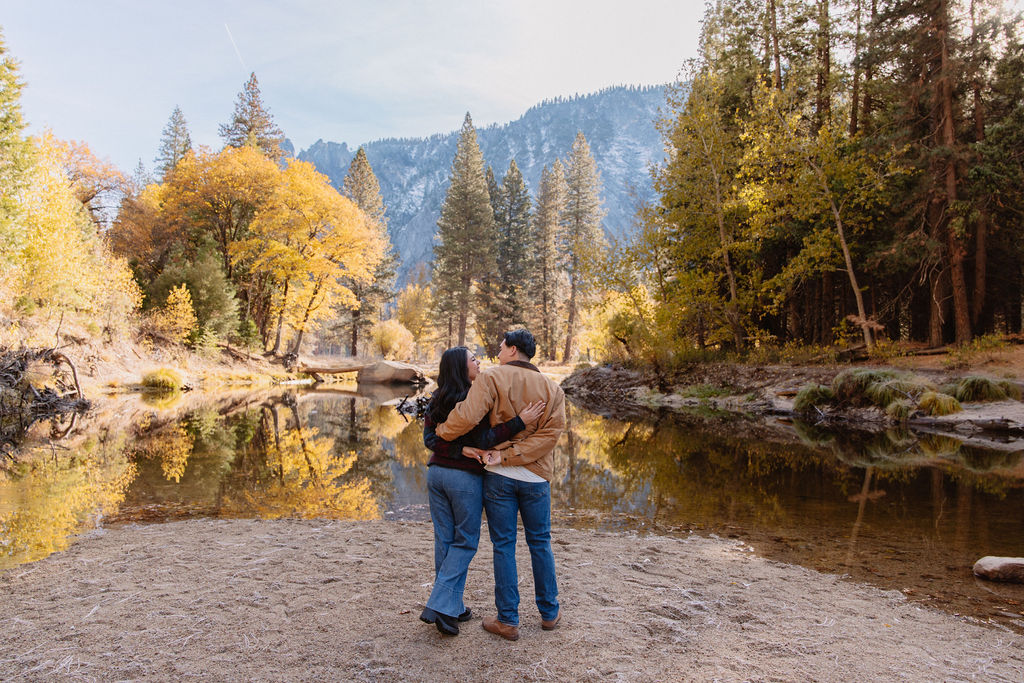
22,404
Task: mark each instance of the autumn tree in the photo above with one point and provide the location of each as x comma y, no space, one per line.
413,310
310,241
175,143
582,234
361,186
98,184
251,123
465,252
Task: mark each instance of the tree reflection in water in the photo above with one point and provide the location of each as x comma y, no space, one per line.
51,494
875,503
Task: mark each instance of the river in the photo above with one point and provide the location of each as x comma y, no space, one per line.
904,511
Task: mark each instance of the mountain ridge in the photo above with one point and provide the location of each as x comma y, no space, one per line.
618,122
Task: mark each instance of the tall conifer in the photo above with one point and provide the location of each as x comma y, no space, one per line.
175,143
465,252
15,151
362,188
252,124
582,236
514,244
546,274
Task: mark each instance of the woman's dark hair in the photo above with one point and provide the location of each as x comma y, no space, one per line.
452,383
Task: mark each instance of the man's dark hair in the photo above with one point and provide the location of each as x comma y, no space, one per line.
522,340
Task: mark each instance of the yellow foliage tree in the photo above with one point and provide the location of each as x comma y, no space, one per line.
415,305
177,318
63,263
96,183
310,240
218,195
391,339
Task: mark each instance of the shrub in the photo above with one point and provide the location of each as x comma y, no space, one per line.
391,339
163,378
176,319
703,391
975,389
851,386
937,403
907,387
900,409
212,294
811,396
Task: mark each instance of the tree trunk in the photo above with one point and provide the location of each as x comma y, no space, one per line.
354,351
855,96
869,68
777,73
570,328
280,319
823,102
954,245
938,305
981,227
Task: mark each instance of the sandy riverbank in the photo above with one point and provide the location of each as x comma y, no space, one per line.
320,600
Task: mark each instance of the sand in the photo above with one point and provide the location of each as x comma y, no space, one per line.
294,600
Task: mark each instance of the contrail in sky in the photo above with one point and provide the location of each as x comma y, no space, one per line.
232,38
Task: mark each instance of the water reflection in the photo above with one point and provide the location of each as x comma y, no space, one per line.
904,510
50,493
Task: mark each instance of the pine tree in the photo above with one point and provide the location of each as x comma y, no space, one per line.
546,274
175,143
15,152
251,123
582,236
514,244
466,251
362,188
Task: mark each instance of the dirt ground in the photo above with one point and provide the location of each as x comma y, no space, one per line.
315,600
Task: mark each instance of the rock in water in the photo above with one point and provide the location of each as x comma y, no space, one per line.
1009,569
390,372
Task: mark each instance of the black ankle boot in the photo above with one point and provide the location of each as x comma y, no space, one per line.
447,625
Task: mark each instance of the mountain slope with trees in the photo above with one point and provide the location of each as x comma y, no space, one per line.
619,124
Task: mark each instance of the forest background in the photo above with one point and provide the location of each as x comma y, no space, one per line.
834,173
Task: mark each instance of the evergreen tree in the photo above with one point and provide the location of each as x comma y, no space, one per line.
362,188
251,123
175,143
465,252
582,236
547,277
15,152
514,245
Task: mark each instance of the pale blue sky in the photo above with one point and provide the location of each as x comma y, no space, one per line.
109,72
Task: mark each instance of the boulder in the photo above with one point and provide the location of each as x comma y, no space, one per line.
1009,569
390,372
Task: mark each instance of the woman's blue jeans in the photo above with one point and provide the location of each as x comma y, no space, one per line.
456,503
505,499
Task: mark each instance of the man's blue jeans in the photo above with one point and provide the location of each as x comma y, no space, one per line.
456,503
505,499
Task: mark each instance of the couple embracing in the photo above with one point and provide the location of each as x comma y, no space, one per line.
492,434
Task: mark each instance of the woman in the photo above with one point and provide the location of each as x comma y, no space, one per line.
455,487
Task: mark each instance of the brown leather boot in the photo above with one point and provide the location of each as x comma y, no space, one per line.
506,631
553,624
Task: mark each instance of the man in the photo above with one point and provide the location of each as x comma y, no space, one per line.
517,481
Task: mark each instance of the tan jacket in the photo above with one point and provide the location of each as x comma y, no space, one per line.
503,392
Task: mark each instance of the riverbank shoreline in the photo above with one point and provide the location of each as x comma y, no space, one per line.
302,600
764,392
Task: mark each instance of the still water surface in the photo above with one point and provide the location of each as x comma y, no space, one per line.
903,511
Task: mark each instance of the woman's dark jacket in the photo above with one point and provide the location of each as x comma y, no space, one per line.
449,453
